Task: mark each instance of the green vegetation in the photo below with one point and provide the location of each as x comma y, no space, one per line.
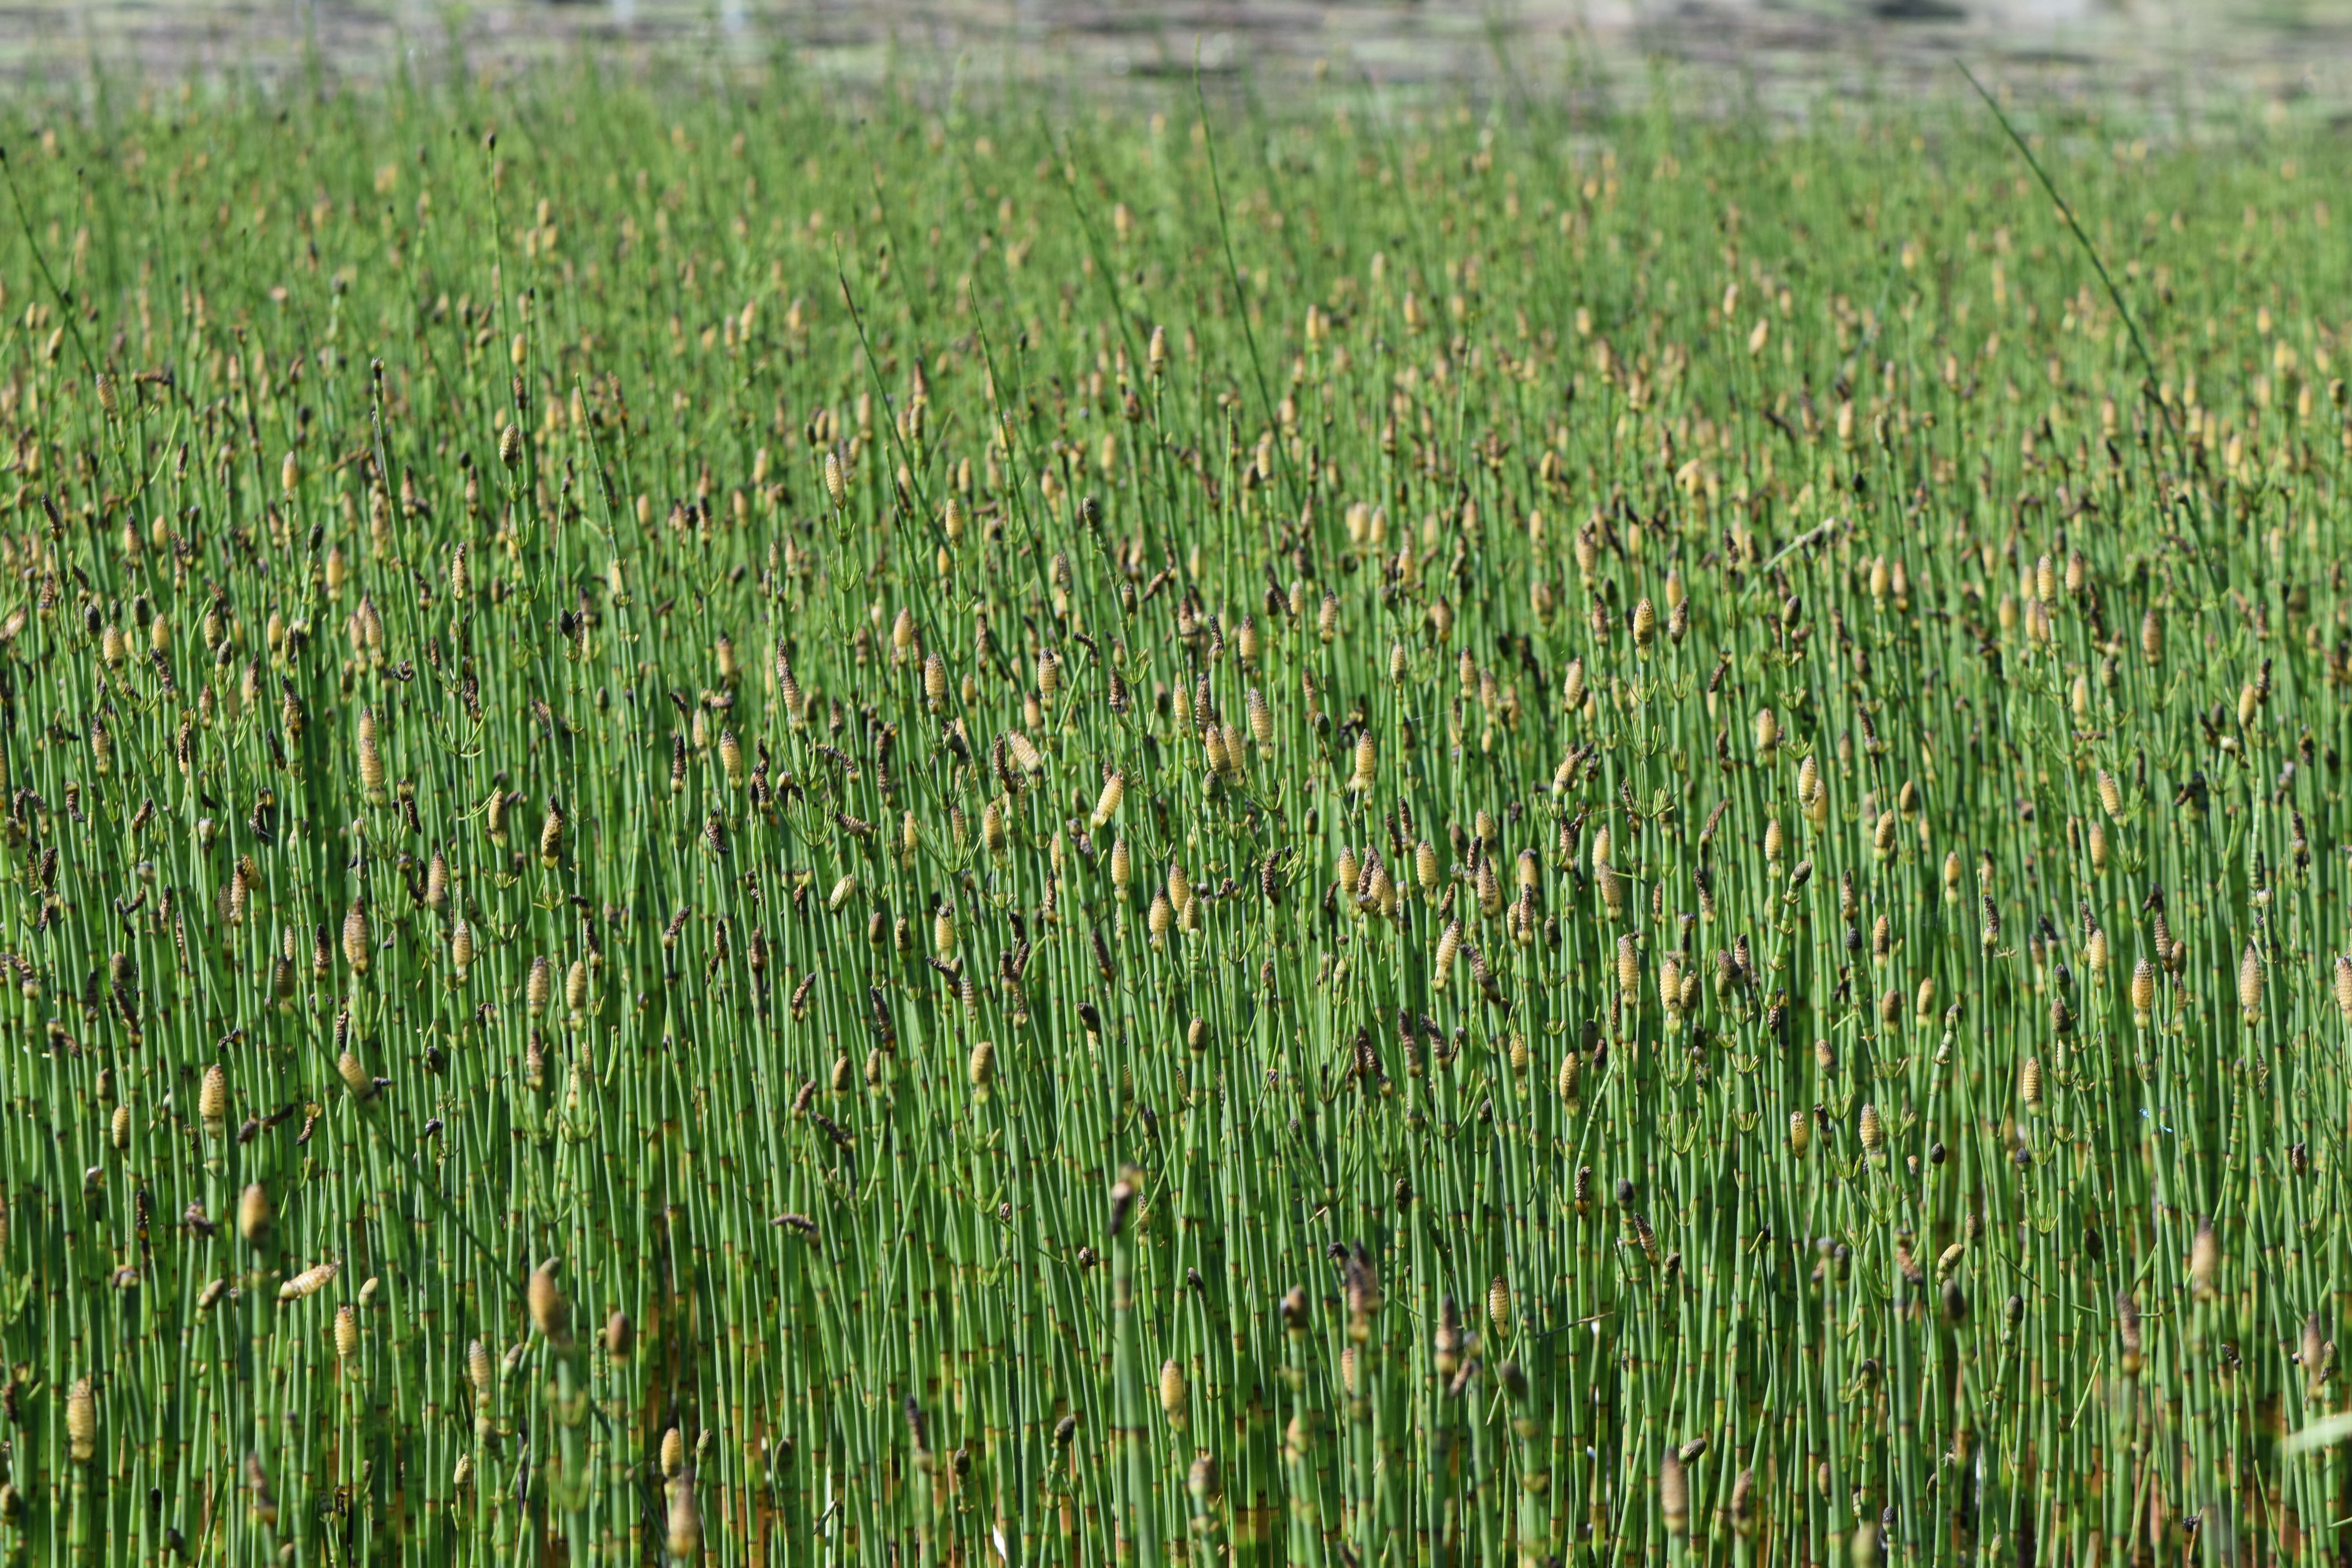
747,832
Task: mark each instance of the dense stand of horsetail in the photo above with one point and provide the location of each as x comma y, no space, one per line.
749,828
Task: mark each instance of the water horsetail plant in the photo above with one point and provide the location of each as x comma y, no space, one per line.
1234,836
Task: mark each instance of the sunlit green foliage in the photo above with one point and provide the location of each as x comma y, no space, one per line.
750,829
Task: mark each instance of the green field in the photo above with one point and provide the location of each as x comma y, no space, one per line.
756,828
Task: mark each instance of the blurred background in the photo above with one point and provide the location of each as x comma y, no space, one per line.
2172,58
